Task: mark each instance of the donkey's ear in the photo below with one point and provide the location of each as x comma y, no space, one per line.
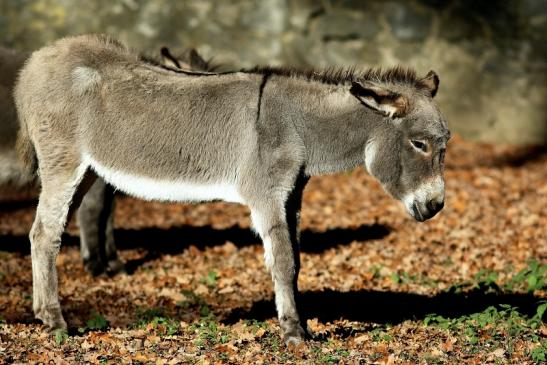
168,59
197,62
380,99
430,83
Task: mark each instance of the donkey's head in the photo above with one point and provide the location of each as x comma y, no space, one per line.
406,148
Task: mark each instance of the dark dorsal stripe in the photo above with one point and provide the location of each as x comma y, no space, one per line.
260,92
332,76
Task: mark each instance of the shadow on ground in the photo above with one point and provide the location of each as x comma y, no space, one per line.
520,157
389,307
176,240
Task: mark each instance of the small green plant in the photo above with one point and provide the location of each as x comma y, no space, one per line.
209,333
395,278
539,353
156,320
96,323
193,300
60,336
335,356
485,279
211,278
537,319
533,277
379,334
376,271
497,326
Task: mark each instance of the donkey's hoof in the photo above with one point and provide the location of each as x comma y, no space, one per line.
52,318
94,267
294,337
115,267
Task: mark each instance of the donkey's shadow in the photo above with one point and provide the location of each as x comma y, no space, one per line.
379,307
157,241
175,240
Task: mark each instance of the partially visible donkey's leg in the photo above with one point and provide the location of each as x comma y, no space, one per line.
58,190
95,216
276,221
293,207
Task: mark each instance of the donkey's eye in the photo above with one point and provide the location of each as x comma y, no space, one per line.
422,146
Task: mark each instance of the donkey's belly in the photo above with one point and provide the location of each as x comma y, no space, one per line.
165,190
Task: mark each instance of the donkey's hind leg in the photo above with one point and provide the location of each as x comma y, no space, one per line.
58,190
95,216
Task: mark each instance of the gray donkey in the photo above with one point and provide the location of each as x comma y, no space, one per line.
89,106
95,214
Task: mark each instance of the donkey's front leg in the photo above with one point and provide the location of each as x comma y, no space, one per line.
279,256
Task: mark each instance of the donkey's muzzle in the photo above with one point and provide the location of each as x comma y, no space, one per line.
422,212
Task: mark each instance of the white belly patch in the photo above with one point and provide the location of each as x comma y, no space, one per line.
164,190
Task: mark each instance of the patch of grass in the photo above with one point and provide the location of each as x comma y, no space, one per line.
376,271
380,334
336,356
533,277
211,279
256,325
485,279
60,336
96,323
209,333
395,278
539,353
154,319
403,277
194,300
493,327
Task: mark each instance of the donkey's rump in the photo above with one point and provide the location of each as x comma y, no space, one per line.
146,130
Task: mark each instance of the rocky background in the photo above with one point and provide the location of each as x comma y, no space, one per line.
491,55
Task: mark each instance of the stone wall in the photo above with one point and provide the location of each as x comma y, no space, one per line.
491,55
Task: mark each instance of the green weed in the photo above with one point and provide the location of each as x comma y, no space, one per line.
539,353
533,277
96,323
493,326
211,278
194,300
155,319
209,333
60,336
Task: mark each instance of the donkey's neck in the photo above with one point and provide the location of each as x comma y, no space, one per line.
333,125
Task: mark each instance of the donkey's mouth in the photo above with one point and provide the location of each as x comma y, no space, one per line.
416,214
422,212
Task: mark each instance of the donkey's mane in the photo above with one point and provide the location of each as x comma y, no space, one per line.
331,75
337,76
209,66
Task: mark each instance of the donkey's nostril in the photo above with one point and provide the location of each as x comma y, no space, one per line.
434,206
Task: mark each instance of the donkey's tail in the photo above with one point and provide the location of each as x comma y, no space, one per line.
26,152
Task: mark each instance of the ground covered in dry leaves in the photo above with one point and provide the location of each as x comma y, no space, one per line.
377,287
